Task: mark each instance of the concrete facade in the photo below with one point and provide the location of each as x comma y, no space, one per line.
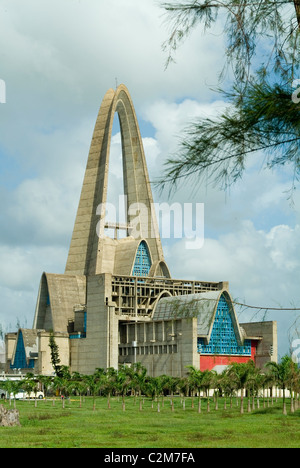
116,303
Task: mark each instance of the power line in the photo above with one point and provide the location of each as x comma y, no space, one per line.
265,308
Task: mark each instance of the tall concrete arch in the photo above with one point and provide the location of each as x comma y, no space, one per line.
90,249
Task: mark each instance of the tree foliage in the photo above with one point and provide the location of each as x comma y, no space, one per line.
261,68
235,380
55,359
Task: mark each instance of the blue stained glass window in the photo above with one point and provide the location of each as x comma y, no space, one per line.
223,339
20,361
77,336
142,263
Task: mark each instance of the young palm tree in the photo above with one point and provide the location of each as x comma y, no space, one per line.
59,384
28,383
110,385
196,377
184,387
12,387
138,381
94,383
150,389
79,387
218,386
207,383
32,383
123,381
252,383
171,384
241,373
228,386
35,389
154,387
46,382
283,373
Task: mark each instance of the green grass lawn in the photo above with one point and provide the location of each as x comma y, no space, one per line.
48,426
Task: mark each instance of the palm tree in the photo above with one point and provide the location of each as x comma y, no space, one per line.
267,380
218,386
151,388
122,382
164,382
46,382
193,381
297,387
28,383
206,384
94,383
228,386
241,372
59,384
171,384
196,381
32,383
253,381
79,387
110,384
283,374
12,387
35,389
154,388
294,383
138,380
184,387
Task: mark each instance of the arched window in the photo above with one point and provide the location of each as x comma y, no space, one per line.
223,339
142,262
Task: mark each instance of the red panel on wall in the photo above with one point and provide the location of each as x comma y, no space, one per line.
209,362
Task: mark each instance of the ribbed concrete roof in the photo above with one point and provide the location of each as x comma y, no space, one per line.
202,305
63,293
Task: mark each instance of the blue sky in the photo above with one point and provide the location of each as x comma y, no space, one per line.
58,59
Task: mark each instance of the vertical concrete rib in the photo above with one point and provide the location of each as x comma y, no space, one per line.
86,249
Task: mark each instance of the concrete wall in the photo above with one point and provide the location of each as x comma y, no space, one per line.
100,347
164,347
267,349
10,342
43,365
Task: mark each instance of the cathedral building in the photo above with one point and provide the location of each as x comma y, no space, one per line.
117,303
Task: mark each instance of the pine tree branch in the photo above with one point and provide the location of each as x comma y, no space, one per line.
297,8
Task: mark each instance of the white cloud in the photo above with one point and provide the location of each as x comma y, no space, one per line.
38,212
246,240
59,59
20,273
23,266
70,52
170,119
262,269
